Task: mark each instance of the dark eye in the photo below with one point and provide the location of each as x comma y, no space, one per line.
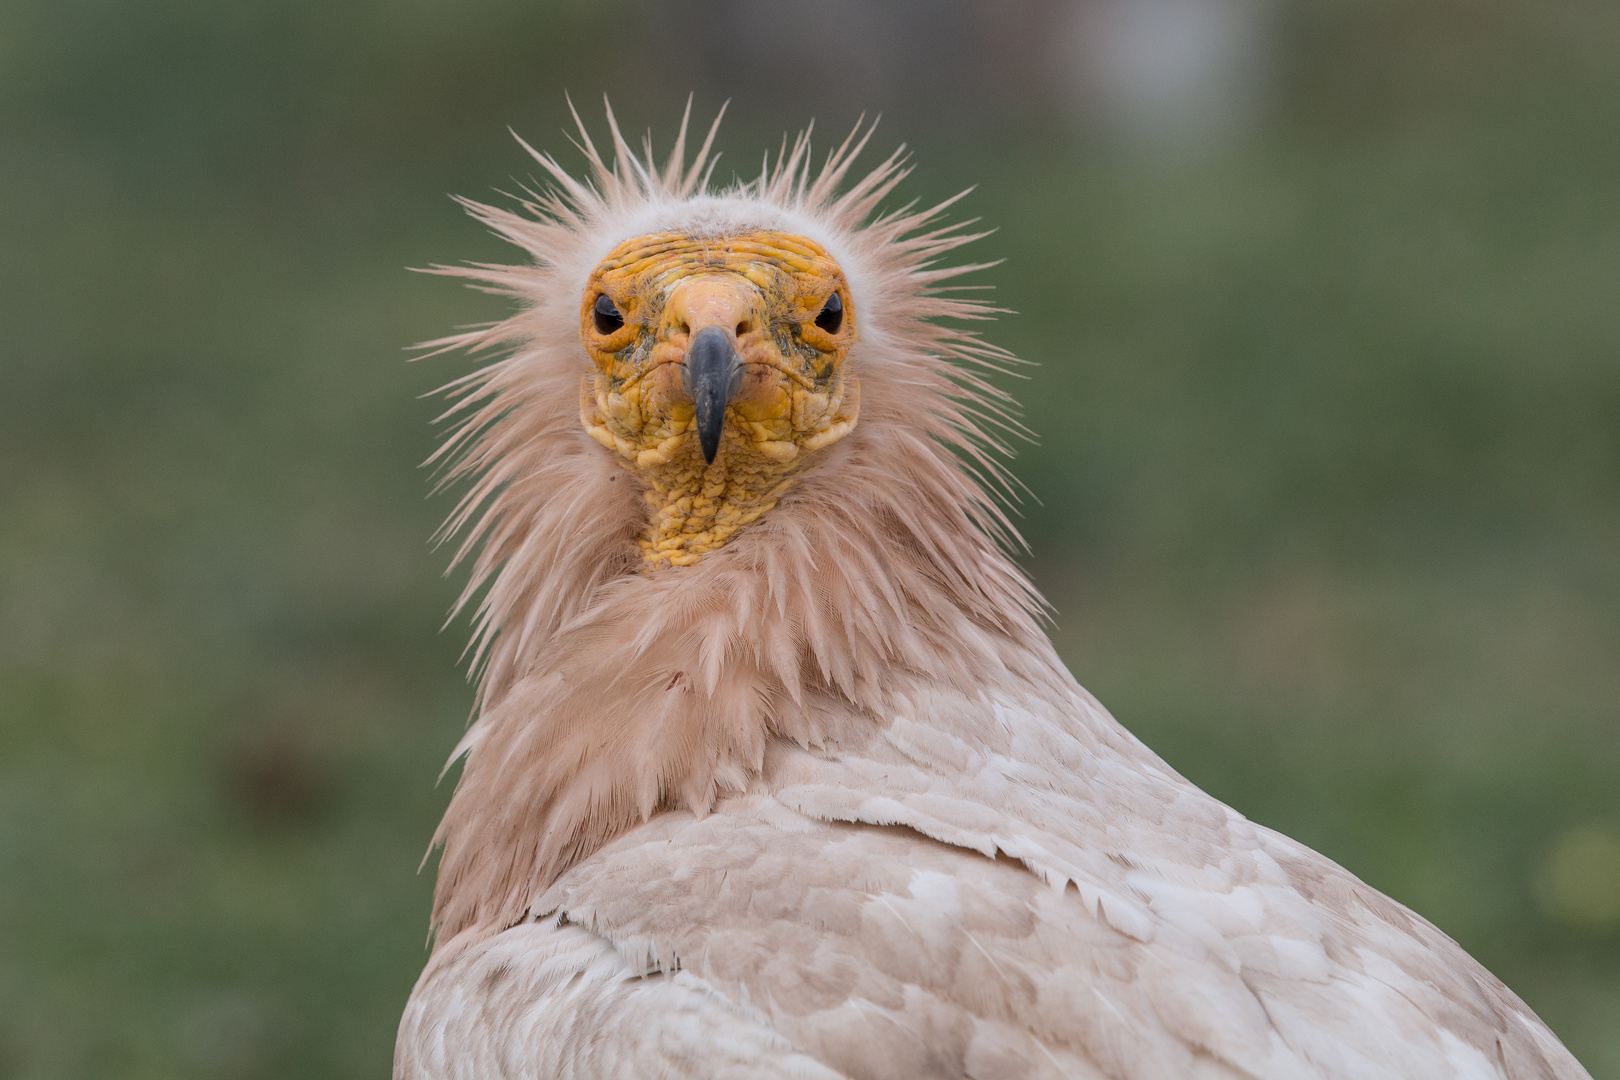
832,314
606,314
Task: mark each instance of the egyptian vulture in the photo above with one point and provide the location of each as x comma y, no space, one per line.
774,772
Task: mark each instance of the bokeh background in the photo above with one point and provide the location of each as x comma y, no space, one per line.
1325,298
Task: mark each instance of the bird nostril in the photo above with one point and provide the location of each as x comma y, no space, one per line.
742,328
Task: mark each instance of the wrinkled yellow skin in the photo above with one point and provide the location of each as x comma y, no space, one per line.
764,289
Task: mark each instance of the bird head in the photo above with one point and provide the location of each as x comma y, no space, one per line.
718,371
772,366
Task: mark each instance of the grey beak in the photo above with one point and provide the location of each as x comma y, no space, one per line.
712,376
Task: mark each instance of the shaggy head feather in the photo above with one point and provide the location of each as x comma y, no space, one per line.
611,689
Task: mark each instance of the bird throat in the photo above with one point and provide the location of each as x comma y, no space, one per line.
694,507
770,433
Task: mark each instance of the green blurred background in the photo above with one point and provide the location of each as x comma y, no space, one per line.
1326,302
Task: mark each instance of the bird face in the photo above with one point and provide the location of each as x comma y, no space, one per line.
719,370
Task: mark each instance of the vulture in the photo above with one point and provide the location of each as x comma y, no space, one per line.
773,770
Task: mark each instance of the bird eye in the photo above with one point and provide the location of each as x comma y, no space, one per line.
606,315
832,314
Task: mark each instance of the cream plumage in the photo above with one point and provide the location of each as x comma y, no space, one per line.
774,772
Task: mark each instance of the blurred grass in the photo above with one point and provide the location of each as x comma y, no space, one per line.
1329,476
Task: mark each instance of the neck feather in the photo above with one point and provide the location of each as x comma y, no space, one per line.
610,693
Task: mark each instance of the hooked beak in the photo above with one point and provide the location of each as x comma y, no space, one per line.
712,376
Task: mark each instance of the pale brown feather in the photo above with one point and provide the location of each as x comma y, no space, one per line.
828,797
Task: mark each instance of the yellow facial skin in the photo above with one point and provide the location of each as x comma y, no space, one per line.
764,290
